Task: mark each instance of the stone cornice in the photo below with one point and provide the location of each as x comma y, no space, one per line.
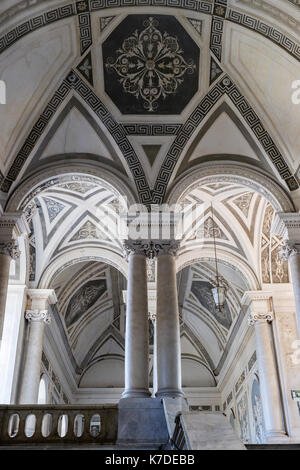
13,224
47,295
255,295
287,225
38,316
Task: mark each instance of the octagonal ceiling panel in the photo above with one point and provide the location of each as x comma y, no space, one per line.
148,61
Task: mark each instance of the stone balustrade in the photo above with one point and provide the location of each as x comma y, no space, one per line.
58,424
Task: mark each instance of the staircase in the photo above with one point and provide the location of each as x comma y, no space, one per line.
136,424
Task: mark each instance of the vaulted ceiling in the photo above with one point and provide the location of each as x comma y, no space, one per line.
113,99
149,92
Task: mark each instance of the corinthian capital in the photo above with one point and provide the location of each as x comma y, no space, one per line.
135,247
38,316
167,247
151,248
289,249
10,248
264,317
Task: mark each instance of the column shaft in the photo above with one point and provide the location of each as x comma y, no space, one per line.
137,329
4,278
269,381
32,366
167,329
294,261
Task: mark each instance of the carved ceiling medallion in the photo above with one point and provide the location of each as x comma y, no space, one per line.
151,64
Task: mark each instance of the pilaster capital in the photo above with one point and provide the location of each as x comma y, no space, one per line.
38,316
260,306
260,317
167,247
13,224
288,249
10,248
287,226
41,298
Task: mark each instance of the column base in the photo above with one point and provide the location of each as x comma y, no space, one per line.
136,393
169,392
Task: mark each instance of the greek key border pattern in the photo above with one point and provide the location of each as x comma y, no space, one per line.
225,85
151,129
117,132
36,132
295,2
36,23
276,36
265,30
194,5
85,31
216,35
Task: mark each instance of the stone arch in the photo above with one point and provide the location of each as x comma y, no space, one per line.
233,173
78,255
112,178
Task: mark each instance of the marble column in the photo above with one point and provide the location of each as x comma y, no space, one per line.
168,351
287,226
8,251
12,226
291,252
38,316
261,317
137,328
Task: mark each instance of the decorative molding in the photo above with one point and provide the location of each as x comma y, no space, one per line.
167,247
233,174
256,295
146,61
263,317
85,32
73,81
269,32
104,22
151,129
38,316
216,35
151,249
197,25
86,68
215,71
205,7
10,249
289,249
287,225
46,295
224,86
32,24
136,247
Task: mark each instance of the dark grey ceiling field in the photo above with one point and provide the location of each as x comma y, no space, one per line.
151,65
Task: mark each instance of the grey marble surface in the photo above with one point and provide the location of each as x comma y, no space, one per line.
209,430
142,421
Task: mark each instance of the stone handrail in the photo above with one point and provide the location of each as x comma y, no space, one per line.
66,424
178,440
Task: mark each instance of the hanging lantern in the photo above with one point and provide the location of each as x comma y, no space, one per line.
219,295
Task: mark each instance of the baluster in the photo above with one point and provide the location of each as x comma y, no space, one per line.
21,434
38,426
